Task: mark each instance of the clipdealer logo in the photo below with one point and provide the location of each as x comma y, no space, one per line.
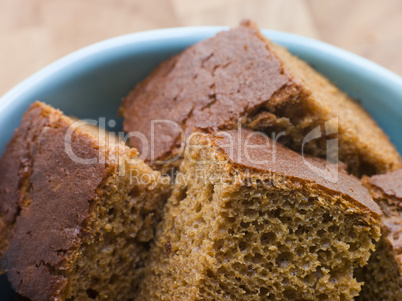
328,129
326,132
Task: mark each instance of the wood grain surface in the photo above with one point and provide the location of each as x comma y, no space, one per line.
34,33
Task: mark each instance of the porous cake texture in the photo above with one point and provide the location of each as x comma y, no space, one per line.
72,230
239,76
253,220
383,274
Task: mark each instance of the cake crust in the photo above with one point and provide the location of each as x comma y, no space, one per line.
237,146
16,167
212,83
79,231
390,184
383,274
387,191
59,197
239,76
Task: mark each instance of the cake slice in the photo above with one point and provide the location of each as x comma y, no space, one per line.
240,76
77,213
252,220
383,274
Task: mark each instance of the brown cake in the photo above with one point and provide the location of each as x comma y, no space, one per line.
383,274
251,220
69,230
239,76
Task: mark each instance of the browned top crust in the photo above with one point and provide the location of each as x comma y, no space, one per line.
253,150
212,83
240,76
58,192
386,190
15,167
390,183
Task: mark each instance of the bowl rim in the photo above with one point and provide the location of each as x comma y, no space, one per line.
290,39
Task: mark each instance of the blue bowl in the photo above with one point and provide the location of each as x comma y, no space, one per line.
91,82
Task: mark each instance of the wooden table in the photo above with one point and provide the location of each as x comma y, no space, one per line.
34,33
